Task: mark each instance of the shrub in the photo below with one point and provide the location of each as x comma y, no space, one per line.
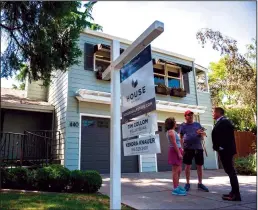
77,180
246,165
16,178
93,181
42,178
31,179
53,177
6,180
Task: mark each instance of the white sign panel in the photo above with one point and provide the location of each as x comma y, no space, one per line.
142,146
137,86
144,125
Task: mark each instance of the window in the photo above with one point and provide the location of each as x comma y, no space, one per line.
88,123
168,75
103,124
101,57
202,81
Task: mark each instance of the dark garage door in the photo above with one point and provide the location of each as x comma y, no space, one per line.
95,147
162,158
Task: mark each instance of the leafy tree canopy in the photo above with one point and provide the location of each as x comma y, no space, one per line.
43,35
234,75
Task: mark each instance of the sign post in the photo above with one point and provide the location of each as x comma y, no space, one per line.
118,62
115,144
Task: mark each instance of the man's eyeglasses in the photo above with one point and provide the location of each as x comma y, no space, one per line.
189,115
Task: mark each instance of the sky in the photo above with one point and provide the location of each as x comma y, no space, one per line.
182,20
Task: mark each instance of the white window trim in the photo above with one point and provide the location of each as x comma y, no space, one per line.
206,83
166,77
97,59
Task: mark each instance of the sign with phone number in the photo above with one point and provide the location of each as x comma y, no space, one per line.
144,145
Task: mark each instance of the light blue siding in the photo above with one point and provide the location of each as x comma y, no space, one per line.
78,78
206,120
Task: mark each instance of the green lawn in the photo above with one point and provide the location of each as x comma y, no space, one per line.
59,201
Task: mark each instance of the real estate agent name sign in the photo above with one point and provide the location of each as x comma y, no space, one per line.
145,145
137,86
143,125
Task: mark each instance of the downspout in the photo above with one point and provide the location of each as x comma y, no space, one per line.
195,84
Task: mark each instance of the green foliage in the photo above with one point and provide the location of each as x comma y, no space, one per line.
43,34
246,165
51,178
242,118
77,180
15,178
93,181
14,87
234,76
31,180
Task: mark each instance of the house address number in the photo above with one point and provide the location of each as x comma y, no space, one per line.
74,124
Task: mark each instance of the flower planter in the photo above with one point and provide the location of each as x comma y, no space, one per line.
161,90
178,93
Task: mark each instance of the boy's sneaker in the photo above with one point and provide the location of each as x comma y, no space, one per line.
203,188
182,188
178,191
187,187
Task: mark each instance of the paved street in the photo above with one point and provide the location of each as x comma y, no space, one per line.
153,191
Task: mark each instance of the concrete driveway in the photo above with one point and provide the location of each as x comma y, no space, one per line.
153,191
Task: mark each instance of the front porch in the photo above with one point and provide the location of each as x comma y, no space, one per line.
27,130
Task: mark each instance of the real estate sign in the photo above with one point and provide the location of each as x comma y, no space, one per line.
143,125
137,86
141,146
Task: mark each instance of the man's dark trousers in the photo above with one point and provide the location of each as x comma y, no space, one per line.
228,165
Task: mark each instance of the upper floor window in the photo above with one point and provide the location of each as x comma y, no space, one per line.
101,57
202,81
98,57
168,75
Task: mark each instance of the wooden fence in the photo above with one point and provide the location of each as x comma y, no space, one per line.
245,143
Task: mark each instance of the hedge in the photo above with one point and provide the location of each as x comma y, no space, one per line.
246,165
55,178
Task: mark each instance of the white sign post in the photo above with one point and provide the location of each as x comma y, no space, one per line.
114,68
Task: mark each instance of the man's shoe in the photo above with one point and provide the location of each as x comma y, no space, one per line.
187,187
227,195
232,198
203,188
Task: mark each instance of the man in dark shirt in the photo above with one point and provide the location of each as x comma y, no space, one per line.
223,140
191,134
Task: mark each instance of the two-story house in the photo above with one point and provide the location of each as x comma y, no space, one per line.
82,105
79,103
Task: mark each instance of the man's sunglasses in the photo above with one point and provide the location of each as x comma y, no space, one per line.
189,115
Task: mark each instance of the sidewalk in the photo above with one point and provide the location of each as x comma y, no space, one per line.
153,191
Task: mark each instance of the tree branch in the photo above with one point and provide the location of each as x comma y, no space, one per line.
10,29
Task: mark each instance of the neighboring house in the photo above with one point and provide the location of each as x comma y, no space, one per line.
82,106
27,109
